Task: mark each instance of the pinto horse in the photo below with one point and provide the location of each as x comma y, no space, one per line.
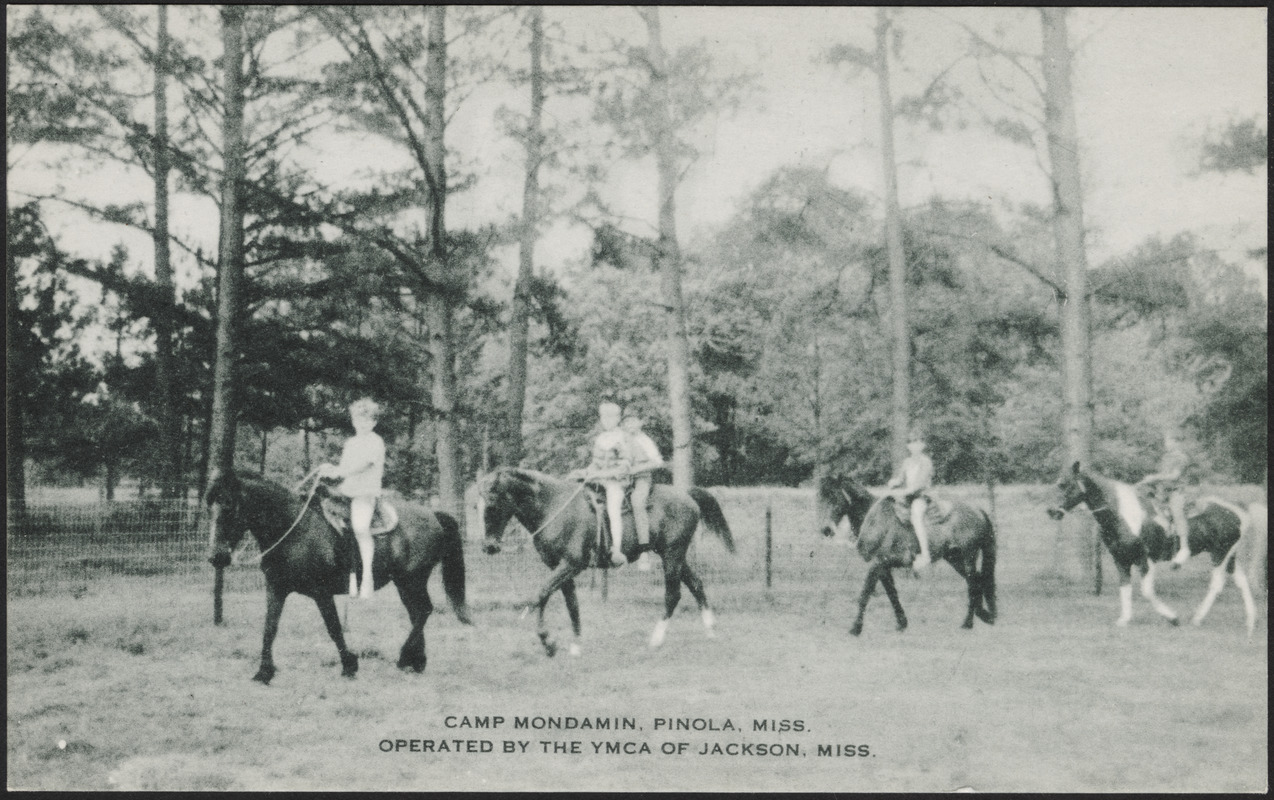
302,553
885,542
1127,525
564,527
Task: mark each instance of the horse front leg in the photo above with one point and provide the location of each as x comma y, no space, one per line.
1148,591
327,608
565,573
572,610
1125,592
273,610
891,591
869,586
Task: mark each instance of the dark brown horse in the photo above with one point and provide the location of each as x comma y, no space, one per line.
301,553
885,542
564,528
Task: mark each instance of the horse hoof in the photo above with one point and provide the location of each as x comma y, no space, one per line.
1121,622
264,676
857,630
1174,622
574,650
902,626
967,625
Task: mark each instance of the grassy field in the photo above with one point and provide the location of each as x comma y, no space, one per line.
125,684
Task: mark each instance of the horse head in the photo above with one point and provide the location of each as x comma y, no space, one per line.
839,496
224,499
503,492
1072,489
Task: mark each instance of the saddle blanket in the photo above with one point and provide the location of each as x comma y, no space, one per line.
336,510
596,495
938,511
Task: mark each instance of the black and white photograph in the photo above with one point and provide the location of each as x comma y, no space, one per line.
755,399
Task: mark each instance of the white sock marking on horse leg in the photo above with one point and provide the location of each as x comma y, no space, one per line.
661,630
1125,604
574,649
709,622
1249,605
1148,591
1215,584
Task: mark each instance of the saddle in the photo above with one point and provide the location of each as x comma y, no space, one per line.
596,495
937,512
336,511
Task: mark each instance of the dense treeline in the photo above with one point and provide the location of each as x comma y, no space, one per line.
353,283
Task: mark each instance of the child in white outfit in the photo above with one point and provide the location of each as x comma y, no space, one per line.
362,469
914,477
610,469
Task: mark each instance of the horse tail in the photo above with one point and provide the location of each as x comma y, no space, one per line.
710,514
453,565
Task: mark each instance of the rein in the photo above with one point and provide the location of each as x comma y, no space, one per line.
559,511
305,506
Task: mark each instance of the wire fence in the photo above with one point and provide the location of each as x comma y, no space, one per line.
66,547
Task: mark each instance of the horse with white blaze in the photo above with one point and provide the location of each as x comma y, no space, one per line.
1128,529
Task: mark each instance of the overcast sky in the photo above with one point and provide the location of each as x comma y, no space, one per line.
1148,82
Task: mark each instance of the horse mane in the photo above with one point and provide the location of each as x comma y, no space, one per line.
831,485
270,500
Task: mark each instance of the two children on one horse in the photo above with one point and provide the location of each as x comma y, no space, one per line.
909,484
620,455
362,469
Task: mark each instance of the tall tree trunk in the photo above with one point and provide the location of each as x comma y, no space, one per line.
519,325
15,375
900,417
170,462
222,428
438,302
1068,229
668,258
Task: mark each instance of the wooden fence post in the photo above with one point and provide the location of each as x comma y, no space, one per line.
769,547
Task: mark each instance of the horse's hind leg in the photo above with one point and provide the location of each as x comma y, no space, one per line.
673,568
273,610
414,593
695,586
327,608
891,591
975,590
1249,605
572,610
